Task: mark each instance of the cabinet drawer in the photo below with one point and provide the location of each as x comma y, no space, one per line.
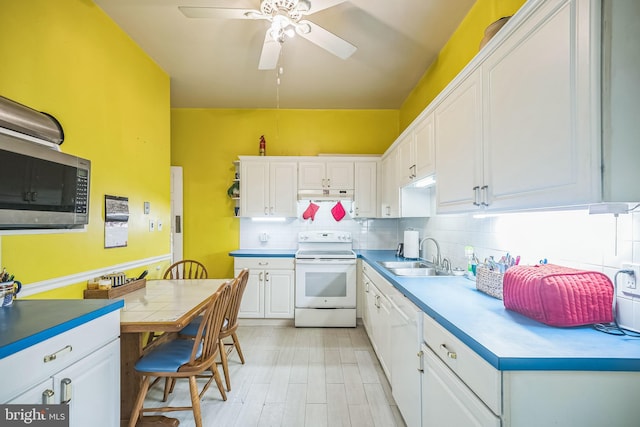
263,263
27,368
474,371
381,283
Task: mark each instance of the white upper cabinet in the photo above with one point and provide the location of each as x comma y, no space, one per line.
521,131
329,175
365,203
425,147
390,192
620,103
268,188
540,145
458,124
416,154
406,158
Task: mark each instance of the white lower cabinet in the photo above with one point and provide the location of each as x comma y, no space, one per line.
85,373
270,288
406,335
460,388
377,316
447,401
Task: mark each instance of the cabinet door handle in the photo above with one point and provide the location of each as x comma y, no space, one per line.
47,397
266,276
54,356
366,287
260,276
65,387
420,361
271,210
263,262
413,171
476,196
485,195
377,301
450,354
266,210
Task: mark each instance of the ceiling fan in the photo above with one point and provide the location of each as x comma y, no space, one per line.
286,18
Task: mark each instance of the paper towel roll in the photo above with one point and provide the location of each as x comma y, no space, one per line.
411,243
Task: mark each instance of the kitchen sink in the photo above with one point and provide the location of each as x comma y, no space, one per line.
412,268
420,271
405,264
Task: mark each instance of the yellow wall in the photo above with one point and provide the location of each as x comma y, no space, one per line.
456,54
67,58
205,142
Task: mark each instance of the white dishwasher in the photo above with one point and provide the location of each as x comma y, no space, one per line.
406,337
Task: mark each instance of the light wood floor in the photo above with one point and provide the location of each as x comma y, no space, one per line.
296,377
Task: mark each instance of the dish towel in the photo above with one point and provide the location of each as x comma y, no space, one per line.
310,212
338,211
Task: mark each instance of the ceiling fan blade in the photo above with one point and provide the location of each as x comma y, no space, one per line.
318,5
326,40
218,12
270,53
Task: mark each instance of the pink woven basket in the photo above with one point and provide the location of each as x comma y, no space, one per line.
559,296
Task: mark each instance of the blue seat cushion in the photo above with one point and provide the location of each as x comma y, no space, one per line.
167,357
191,329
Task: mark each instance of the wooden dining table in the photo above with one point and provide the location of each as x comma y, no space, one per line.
161,306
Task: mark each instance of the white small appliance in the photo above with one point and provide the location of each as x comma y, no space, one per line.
628,307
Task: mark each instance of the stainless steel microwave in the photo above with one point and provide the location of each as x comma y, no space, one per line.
41,187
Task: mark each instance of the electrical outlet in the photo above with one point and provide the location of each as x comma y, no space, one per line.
630,282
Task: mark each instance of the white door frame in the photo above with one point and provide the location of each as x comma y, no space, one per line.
177,218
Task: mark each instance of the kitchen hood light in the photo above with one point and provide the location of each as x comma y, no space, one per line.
269,219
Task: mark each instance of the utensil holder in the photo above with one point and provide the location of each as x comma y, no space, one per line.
8,291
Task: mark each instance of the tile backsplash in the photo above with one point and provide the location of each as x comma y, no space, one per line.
571,238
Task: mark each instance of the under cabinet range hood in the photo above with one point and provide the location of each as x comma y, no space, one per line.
27,121
325,195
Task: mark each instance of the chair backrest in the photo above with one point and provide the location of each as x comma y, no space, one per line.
236,298
186,269
205,343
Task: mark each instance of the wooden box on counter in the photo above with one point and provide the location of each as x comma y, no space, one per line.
115,292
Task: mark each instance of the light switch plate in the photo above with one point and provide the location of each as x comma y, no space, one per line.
152,225
159,225
147,208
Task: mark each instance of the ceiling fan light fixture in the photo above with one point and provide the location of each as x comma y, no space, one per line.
303,28
281,26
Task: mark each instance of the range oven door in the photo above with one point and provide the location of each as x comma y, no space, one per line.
325,283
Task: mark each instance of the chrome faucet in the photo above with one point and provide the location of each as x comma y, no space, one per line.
437,260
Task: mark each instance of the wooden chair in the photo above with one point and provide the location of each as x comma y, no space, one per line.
186,358
186,269
229,326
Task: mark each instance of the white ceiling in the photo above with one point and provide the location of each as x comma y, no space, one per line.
213,63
